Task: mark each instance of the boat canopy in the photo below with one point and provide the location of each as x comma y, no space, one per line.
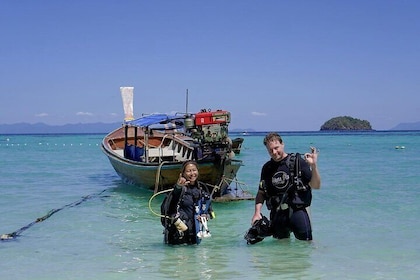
154,119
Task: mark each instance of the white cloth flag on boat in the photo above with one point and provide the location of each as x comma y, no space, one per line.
127,98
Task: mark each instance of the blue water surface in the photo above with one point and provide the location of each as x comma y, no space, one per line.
365,216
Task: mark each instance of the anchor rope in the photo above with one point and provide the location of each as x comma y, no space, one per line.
13,235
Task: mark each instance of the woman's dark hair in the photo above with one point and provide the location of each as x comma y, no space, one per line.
184,165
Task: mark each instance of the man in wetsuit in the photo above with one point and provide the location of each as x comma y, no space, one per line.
286,193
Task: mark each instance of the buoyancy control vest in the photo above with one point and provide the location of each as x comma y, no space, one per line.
173,221
294,193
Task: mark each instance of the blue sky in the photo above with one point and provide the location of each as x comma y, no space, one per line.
275,65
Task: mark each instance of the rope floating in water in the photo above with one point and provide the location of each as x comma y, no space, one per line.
13,235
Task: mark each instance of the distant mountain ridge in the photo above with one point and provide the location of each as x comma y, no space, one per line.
407,126
42,128
86,128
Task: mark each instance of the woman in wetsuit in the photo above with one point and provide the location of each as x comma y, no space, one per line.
188,196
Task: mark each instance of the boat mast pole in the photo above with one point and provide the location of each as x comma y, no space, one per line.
186,104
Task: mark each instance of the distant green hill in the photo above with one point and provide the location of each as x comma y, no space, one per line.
346,123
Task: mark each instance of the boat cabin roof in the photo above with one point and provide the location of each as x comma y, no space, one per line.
154,119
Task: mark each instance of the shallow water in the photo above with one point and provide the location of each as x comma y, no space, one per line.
364,217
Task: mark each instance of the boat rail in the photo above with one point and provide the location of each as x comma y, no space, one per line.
169,148
175,149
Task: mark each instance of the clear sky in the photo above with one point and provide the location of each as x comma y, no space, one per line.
275,65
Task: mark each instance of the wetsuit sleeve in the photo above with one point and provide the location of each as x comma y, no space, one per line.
260,197
261,194
174,199
262,191
176,192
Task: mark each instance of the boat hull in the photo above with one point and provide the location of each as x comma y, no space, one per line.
164,175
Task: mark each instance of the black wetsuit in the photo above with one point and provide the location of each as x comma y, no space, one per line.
277,188
186,211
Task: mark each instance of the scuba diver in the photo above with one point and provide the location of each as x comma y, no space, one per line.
187,208
285,185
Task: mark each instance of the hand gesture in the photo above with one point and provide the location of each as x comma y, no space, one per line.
182,181
312,157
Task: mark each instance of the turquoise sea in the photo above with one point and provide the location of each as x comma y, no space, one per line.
365,216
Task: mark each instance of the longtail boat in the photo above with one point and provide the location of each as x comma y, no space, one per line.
149,151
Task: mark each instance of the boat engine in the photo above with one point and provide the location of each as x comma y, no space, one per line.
211,131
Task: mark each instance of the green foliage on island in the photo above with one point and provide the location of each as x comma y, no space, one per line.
346,123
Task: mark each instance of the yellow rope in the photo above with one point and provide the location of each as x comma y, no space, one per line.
153,197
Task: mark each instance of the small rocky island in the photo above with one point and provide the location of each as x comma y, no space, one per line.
346,123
